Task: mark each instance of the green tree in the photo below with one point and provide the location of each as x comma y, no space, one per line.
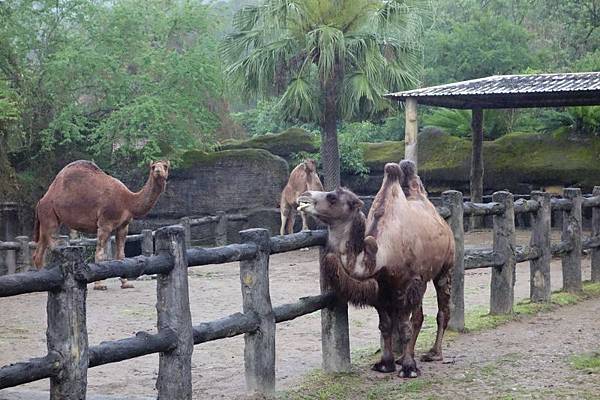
329,60
126,79
484,45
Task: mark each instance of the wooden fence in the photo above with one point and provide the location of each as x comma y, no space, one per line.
66,277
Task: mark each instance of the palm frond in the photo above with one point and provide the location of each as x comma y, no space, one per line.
299,100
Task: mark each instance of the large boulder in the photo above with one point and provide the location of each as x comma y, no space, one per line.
284,144
519,162
234,181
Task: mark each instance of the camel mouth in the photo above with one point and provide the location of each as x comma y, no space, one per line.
304,203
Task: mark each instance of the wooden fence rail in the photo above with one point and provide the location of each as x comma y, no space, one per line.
66,276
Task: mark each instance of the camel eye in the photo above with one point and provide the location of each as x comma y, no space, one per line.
331,198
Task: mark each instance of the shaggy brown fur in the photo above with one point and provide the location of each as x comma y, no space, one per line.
302,178
86,199
407,244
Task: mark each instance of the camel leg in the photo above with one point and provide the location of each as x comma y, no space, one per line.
47,227
442,287
386,326
289,227
417,321
120,236
285,214
304,221
405,328
102,237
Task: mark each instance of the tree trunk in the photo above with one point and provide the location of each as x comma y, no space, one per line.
330,152
477,163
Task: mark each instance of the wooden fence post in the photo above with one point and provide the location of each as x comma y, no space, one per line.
187,230
571,233
502,291
596,232
221,229
539,268
24,254
453,200
335,336
67,332
147,243
259,350
173,312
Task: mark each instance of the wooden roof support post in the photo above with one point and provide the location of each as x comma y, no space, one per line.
476,163
410,130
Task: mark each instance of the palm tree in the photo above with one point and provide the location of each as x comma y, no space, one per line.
328,60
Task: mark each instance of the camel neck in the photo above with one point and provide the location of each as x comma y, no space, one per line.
348,237
144,200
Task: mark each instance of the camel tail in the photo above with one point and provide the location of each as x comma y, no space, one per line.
36,226
393,172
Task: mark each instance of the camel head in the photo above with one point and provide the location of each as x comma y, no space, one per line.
340,205
160,170
310,165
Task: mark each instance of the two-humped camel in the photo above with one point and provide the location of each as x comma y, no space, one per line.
302,178
386,260
86,199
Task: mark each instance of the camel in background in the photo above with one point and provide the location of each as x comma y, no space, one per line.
86,199
386,260
303,178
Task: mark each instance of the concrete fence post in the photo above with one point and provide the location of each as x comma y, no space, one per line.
173,312
571,233
453,200
221,229
596,232
10,259
259,350
67,331
24,254
502,293
147,242
539,268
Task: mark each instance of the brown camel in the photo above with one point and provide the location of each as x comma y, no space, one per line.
303,178
386,260
86,199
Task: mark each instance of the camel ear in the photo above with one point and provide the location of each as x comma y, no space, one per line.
357,204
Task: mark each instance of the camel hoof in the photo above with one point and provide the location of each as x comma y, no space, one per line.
431,356
409,374
127,286
384,367
100,287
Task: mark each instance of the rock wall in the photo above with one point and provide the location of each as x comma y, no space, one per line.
235,181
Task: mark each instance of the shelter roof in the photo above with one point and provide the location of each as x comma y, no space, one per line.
512,91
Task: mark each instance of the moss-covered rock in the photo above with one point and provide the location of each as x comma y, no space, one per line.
284,144
516,161
197,158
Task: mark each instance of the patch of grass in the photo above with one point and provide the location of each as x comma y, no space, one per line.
360,383
479,319
587,362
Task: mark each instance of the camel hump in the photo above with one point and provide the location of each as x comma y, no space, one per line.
393,171
84,164
409,169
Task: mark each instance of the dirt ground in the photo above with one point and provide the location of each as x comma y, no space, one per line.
218,371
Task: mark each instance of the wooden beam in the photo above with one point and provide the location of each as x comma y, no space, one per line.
410,130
